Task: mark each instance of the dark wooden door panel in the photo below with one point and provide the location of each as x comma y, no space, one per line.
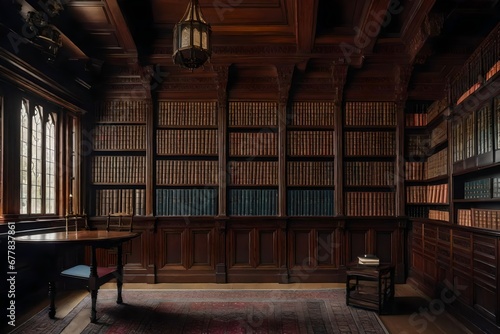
202,250
267,248
328,249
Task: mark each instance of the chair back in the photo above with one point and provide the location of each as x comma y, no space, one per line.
72,221
120,221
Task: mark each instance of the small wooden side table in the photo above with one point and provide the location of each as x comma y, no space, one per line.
370,287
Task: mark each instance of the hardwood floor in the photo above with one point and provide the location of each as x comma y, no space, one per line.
410,315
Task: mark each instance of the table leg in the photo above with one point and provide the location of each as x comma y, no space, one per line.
93,286
93,311
52,297
119,278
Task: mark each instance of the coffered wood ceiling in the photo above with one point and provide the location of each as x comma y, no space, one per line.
302,49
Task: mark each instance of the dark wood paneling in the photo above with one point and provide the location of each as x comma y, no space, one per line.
184,250
315,249
173,248
466,263
201,249
327,249
251,249
268,254
384,246
358,241
240,247
301,243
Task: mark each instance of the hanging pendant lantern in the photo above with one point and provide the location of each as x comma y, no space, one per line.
192,38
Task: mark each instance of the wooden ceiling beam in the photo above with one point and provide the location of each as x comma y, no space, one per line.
377,13
124,36
420,27
305,24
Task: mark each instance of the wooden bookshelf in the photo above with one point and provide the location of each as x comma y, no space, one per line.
310,159
370,150
252,166
426,162
186,165
464,249
118,161
476,171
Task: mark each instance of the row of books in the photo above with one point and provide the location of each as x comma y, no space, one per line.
439,215
358,143
481,218
370,203
319,143
119,137
186,202
425,211
484,130
437,164
418,211
119,111
312,114
480,65
416,119
496,106
177,113
310,202
193,172
457,132
370,113
120,200
417,145
253,113
469,136
437,193
439,134
252,202
263,143
186,142
186,172
436,108
253,172
483,188
369,173
310,173
415,171
119,169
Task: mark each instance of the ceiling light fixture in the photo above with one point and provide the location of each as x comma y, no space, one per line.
192,38
45,36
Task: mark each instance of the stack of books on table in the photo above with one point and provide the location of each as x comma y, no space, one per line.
368,260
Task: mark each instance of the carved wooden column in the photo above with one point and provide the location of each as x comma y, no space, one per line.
285,74
402,77
146,77
220,266
222,78
339,75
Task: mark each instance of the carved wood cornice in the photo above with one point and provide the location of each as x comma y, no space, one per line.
285,74
402,78
256,87
339,76
430,27
222,81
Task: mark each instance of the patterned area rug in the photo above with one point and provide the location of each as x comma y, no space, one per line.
217,312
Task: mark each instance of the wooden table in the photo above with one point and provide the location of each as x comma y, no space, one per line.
95,239
370,287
